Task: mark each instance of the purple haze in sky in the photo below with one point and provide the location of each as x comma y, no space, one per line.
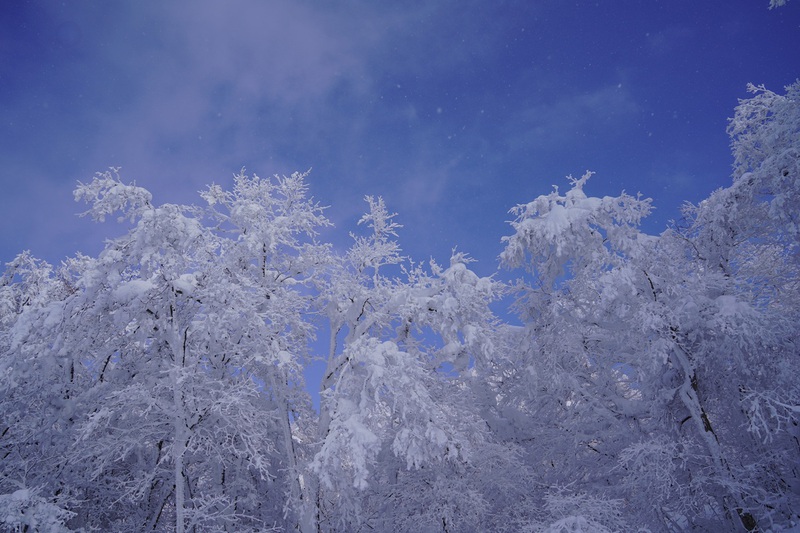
454,111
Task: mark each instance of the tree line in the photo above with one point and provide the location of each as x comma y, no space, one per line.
651,386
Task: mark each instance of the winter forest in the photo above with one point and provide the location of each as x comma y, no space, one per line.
624,382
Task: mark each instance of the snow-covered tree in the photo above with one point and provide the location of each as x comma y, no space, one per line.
278,263
390,398
650,356
570,399
184,347
746,238
38,393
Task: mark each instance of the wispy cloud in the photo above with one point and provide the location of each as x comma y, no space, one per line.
603,113
453,110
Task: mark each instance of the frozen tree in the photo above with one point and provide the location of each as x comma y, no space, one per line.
38,391
650,356
392,406
277,260
173,340
746,237
572,385
175,359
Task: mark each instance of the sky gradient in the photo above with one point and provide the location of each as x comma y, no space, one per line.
453,111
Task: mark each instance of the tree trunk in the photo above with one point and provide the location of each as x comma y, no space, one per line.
179,421
304,507
690,398
179,448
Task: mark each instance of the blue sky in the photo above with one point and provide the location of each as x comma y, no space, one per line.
453,111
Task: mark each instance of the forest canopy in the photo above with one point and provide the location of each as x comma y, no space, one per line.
651,386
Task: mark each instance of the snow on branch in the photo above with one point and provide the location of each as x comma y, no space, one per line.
107,195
